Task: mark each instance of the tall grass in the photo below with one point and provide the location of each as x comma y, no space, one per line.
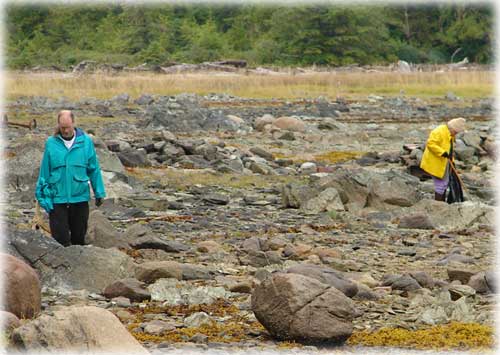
424,84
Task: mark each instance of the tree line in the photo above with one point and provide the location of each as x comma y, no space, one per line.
333,35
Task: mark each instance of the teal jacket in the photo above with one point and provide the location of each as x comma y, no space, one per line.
65,173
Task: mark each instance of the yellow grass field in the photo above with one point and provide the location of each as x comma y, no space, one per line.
466,84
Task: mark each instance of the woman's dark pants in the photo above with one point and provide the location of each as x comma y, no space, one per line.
68,222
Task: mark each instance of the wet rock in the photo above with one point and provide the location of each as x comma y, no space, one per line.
22,296
131,288
296,307
75,329
327,276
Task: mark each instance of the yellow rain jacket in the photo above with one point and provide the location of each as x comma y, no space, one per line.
439,142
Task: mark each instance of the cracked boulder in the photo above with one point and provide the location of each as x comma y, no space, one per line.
70,268
296,307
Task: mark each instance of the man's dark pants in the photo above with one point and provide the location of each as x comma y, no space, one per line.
68,222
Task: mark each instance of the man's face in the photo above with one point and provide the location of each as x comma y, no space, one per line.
66,126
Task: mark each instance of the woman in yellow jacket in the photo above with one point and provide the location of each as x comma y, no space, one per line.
438,150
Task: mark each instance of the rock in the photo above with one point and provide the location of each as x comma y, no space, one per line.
22,295
121,302
251,244
216,199
464,152
327,276
287,136
242,287
260,168
199,338
76,329
72,268
153,270
144,99
23,162
197,320
308,168
131,288
296,307
491,280
263,121
153,242
109,161
9,321
136,231
363,278
294,195
415,221
262,153
196,272
209,246
405,283
472,139
101,233
173,292
423,279
157,327
133,158
461,273
290,124
478,283
456,216
327,200
457,291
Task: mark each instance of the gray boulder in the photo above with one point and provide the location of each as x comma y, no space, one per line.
70,268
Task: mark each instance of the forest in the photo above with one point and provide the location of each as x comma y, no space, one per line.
301,35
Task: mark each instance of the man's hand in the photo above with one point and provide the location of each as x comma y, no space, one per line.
445,155
98,202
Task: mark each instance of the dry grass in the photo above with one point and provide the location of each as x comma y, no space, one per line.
350,85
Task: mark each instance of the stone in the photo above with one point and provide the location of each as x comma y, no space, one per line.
173,292
478,283
327,276
151,271
261,122
9,321
157,327
216,199
423,279
197,320
308,168
131,288
491,280
121,99
296,307
326,201
121,302
133,158
153,242
294,195
71,268
196,272
209,246
290,124
77,328
242,287
461,273
458,291
262,153
101,233
144,99
22,295
415,221
405,283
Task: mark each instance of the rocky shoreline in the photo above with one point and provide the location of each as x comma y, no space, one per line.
213,199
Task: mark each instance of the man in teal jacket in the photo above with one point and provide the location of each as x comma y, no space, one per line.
68,166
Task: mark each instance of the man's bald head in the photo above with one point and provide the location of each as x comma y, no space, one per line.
66,123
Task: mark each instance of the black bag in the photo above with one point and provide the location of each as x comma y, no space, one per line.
455,192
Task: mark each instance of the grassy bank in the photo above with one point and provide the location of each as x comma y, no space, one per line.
465,84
